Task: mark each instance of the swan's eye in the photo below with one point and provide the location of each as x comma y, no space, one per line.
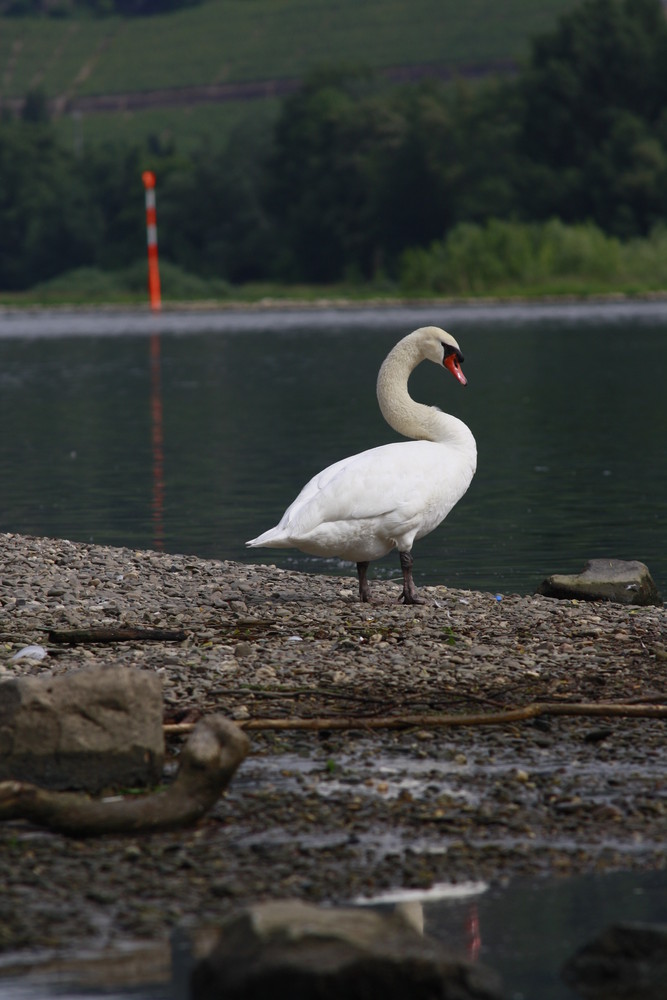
449,350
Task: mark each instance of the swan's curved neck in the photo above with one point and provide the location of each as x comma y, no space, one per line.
402,412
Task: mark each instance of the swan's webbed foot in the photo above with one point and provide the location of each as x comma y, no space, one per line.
410,594
412,598
364,590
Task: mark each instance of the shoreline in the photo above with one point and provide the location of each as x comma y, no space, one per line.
332,816
286,303
273,316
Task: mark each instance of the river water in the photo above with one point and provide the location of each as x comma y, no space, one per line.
525,931
193,430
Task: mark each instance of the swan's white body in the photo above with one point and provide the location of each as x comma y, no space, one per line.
386,498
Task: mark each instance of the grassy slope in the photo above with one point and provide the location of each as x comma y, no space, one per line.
188,126
223,40
234,40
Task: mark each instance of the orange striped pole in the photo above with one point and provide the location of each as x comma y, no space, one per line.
148,177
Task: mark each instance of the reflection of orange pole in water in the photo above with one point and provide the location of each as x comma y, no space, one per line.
473,934
157,441
148,177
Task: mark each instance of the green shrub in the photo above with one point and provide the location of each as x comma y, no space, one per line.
175,283
90,284
644,261
474,259
577,250
82,284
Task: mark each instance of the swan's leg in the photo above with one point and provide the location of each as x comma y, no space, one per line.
410,593
364,592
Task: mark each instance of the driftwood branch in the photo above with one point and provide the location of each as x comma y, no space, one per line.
532,711
207,763
119,633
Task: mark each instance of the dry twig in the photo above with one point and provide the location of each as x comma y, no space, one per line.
532,711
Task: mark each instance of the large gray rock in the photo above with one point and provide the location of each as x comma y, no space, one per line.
626,962
94,728
305,952
624,582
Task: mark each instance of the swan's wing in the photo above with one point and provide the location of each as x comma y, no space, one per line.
367,504
393,482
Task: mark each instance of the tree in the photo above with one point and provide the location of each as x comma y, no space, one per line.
454,162
320,186
362,171
111,174
35,106
593,131
47,220
212,217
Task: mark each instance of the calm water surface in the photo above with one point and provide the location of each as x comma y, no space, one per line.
525,931
193,431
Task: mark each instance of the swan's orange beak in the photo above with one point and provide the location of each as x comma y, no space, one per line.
453,365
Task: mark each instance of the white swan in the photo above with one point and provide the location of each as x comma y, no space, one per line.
368,504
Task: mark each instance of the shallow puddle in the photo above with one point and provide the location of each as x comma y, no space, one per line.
525,931
469,779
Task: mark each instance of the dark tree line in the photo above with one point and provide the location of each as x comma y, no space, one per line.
100,8
355,172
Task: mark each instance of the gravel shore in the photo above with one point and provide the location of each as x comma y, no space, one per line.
334,815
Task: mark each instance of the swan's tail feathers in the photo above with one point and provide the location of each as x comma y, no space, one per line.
273,538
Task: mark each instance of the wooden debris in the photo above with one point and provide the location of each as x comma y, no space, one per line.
207,763
532,711
120,633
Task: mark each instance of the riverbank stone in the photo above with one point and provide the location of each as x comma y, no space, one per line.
93,728
308,952
625,962
618,580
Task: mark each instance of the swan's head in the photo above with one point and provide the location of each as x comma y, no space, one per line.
440,347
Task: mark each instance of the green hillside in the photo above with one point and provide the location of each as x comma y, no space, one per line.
236,41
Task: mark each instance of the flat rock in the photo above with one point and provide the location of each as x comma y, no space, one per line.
306,952
618,580
626,962
92,728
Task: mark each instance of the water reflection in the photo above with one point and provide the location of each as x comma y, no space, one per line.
525,931
530,928
157,441
193,431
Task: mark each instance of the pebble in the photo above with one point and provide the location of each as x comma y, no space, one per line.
333,815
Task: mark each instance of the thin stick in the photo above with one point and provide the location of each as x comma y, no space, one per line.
120,633
532,711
